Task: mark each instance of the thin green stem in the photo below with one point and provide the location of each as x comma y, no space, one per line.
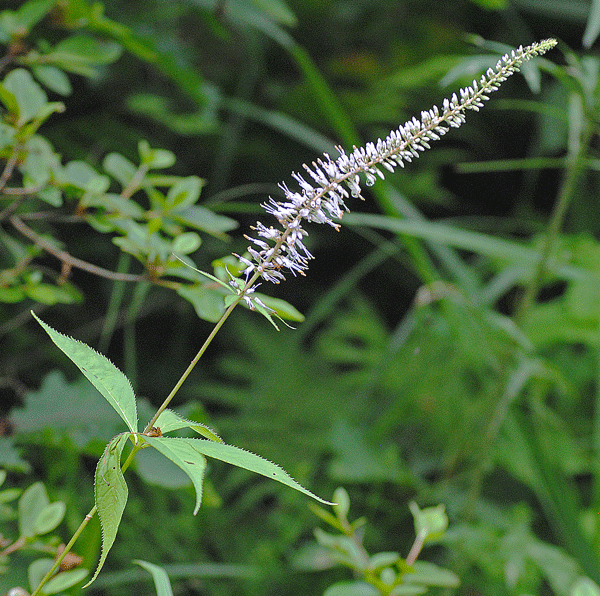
138,445
193,363
67,549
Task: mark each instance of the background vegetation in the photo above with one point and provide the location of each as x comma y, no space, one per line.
454,364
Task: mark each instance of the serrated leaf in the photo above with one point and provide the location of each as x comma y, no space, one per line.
160,577
101,372
111,495
169,421
184,455
31,503
240,458
49,517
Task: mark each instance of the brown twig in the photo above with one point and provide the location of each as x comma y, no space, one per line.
69,260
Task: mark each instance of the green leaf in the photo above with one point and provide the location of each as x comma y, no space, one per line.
584,586
111,495
32,502
49,518
237,457
119,167
277,10
184,193
592,27
205,220
28,94
342,503
186,243
207,302
9,100
37,570
64,580
169,421
184,455
80,54
431,522
356,588
154,468
155,159
161,579
81,175
53,78
428,574
101,372
282,308
33,12
49,294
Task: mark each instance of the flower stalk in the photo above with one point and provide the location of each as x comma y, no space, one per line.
333,180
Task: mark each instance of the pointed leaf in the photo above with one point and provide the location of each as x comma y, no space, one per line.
161,579
238,457
111,495
101,372
184,455
170,420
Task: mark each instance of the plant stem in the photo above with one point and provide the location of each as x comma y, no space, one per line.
67,549
138,446
193,363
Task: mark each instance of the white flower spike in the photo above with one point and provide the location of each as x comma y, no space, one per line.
334,180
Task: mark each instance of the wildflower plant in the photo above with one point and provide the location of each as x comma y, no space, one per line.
274,252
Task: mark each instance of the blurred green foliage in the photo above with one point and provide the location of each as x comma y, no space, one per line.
450,348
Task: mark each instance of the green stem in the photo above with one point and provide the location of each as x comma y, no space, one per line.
68,548
138,446
193,363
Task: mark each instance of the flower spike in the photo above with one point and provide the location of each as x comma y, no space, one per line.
336,179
